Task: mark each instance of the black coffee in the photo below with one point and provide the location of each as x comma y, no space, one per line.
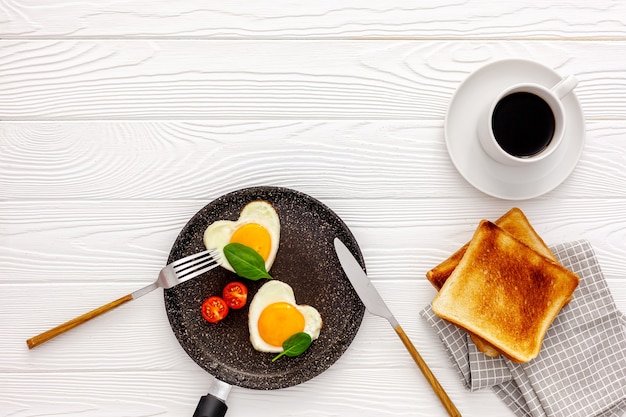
523,124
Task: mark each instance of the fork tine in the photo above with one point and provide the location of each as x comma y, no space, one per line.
188,259
192,261
212,264
188,269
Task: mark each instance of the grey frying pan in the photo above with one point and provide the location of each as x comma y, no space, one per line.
305,260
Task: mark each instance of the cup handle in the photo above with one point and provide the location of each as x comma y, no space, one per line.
565,86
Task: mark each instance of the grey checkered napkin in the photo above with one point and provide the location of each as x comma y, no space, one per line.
581,369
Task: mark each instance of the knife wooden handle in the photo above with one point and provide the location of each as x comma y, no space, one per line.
62,328
432,380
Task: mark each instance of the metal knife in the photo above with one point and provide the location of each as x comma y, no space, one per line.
376,305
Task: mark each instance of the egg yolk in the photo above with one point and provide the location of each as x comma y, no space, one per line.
279,321
254,236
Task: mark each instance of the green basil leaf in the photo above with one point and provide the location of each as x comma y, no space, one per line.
295,345
246,262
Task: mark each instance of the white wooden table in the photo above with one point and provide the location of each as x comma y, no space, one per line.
120,119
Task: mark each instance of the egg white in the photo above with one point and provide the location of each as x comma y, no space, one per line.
272,292
218,234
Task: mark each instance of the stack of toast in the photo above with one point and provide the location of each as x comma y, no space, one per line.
505,287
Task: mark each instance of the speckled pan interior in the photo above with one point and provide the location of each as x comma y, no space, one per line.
306,260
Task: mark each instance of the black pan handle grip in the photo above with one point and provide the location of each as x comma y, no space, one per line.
210,406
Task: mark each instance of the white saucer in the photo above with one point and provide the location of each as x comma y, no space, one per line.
468,156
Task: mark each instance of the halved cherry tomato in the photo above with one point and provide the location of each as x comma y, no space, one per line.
235,294
214,309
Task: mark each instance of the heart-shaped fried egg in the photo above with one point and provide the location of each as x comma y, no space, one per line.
274,316
258,227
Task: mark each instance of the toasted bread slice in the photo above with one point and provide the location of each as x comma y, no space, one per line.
513,221
505,293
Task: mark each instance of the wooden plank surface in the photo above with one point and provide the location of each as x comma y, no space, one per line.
281,80
75,242
201,160
119,120
145,370
348,19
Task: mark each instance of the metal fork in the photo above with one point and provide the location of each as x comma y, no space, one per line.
173,274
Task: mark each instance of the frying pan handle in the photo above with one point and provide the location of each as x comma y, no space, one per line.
210,406
214,403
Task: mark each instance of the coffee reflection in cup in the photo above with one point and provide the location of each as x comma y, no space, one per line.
525,123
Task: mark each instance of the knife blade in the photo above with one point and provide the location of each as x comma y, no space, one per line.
375,304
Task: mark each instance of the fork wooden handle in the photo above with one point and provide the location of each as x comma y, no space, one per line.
62,328
430,377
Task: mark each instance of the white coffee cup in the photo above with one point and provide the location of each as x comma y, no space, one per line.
525,123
